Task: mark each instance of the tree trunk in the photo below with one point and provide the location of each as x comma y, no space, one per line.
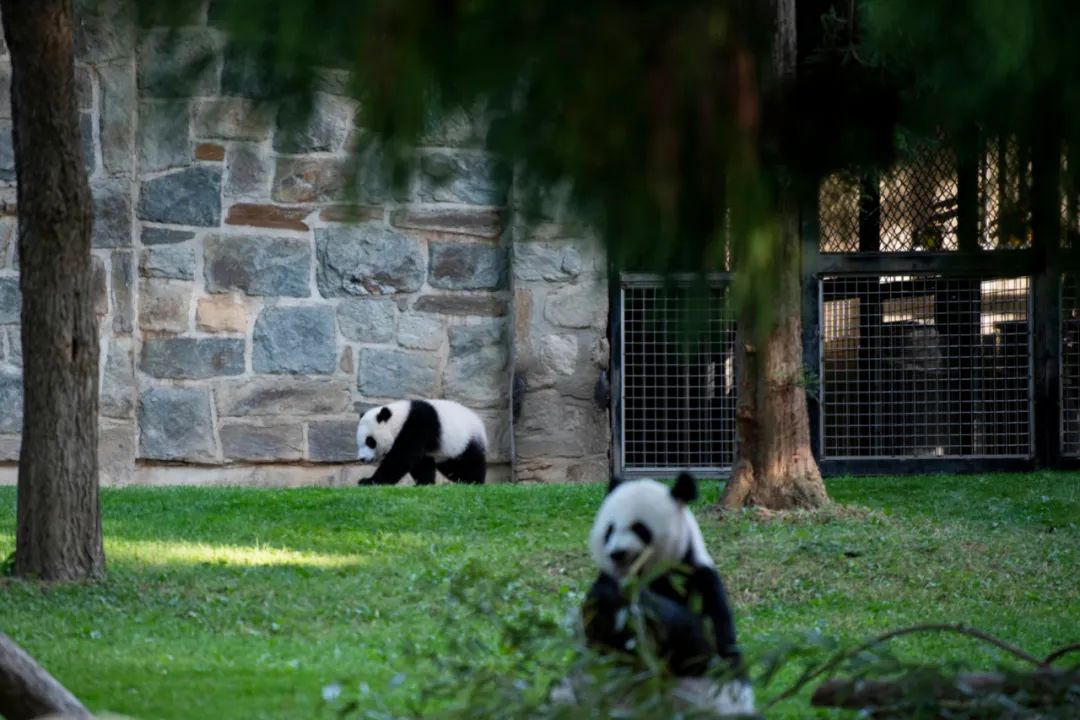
775,466
58,536
28,691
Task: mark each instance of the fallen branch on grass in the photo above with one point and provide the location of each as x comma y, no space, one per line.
28,691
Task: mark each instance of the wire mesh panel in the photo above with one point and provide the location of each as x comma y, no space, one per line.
1070,367
678,378
925,366
915,205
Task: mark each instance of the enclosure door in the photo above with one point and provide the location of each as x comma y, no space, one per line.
674,377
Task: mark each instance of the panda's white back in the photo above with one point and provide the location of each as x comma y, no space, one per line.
458,426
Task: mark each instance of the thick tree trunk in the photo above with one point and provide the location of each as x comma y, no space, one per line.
775,466
58,536
28,691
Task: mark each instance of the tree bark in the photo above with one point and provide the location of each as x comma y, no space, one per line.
28,691
775,466
58,535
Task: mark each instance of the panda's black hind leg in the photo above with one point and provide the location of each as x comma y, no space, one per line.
423,471
468,467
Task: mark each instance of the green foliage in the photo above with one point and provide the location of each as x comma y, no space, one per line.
248,603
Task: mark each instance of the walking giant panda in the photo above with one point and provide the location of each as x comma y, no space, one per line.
419,436
644,533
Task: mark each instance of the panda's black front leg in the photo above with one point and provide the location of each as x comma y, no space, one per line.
599,615
423,470
715,606
395,464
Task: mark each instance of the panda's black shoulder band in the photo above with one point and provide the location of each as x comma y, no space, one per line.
685,489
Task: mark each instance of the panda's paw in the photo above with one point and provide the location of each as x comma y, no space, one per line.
365,481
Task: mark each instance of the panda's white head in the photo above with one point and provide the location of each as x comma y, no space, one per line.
377,430
643,525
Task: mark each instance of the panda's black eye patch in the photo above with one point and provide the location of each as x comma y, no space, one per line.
607,535
644,533
370,442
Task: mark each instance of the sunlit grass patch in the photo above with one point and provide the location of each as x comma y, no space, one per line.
248,603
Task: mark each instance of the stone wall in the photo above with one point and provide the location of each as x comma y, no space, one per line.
247,314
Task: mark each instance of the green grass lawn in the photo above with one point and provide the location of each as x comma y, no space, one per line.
236,603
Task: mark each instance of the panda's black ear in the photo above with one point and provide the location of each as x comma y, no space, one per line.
383,415
685,489
613,483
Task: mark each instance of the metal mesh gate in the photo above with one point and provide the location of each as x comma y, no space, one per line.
677,378
1070,368
925,366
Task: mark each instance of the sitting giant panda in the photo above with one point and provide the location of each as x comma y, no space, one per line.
645,532
419,436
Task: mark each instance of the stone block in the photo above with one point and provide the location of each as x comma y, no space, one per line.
9,448
233,118
5,90
116,452
14,346
123,291
164,305
476,371
420,331
280,396
191,196
462,305
99,280
295,340
551,262
9,239
552,425
179,62
104,30
164,236
257,265
468,178
164,137
459,128
499,429
269,216
176,262
191,358
210,152
332,441
350,213
584,305
10,299
84,87
248,73
7,153
486,223
117,396
321,126
473,266
112,213
116,81
221,314
368,320
249,172
559,354
367,259
11,401
175,424
590,469
393,373
305,180
86,141
260,443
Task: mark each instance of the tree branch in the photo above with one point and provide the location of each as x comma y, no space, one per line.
28,691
